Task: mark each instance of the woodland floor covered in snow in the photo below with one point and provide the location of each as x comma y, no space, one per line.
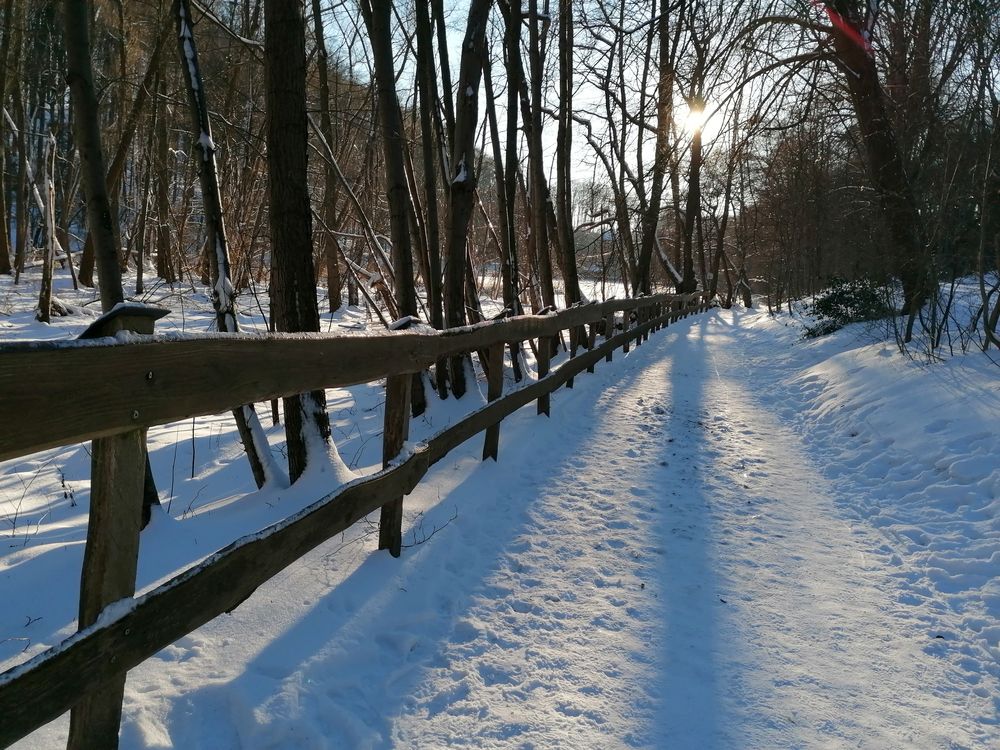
729,538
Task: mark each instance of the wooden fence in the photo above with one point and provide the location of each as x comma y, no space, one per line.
130,383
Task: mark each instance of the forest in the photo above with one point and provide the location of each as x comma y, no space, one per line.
418,158
417,152
378,229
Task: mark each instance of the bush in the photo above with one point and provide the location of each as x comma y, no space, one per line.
847,302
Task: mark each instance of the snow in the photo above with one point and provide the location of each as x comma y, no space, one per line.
731,537
462,173
207,145
404,323
189,54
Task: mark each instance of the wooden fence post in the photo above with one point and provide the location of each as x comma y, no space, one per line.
544,354
574,342
626,314
591,340
395,432
609,331
117,481
494,389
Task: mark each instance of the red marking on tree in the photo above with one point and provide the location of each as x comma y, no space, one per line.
846,27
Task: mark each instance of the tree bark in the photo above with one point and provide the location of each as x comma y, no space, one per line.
164,258
533,132
222,291
5,267
464,177
377,14
564,144
330,254
885,162
293,279
86,126
661,159
427,90
45,292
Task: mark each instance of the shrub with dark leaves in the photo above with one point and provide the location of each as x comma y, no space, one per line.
846,302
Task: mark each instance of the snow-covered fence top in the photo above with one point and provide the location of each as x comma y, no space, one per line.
132,381
139,381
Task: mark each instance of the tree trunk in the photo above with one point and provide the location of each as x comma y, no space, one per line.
885,163
5,267
693,209
21,234
533,132
45,292
377,15
427,91
463,177
164,258
661,159
293,280
86,125
564,143
508,234
223,293
333,279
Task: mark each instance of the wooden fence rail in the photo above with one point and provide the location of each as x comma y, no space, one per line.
133,629
132,382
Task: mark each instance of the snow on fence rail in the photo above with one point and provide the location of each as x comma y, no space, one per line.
137,382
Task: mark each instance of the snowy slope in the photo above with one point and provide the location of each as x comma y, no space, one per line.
729,538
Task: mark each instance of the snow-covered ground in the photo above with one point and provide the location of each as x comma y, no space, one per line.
730,538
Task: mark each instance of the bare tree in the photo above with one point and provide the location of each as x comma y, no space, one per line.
223,292
293,280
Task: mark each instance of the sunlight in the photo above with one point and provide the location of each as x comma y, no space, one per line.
694,119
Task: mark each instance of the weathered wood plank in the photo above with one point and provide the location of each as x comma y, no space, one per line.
38,691
164,379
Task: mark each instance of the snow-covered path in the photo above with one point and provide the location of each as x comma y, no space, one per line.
675,559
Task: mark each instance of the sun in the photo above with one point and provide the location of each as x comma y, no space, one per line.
694,119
